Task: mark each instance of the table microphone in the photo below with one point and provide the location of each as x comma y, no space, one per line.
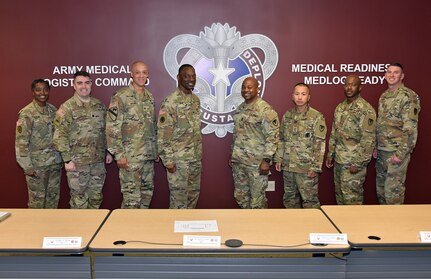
233,243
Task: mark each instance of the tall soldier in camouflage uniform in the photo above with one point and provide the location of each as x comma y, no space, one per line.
80,138
180,140
351,143
131,137
255,139
300,151
35,152
397,122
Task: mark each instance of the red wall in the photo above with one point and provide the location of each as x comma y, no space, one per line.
36,36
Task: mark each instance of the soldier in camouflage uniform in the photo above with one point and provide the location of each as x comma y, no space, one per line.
255,139
351,143
180,140
80,137
300,151
397,121
35,152
131,137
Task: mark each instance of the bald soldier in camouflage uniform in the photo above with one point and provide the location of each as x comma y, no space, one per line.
255,139
80,138
300,151
397,132
131,137
351,143
180,140
35,152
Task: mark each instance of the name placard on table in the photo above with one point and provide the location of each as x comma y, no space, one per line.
62,242
196,226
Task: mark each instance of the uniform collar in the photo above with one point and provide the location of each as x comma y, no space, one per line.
145,94
301,113
352,103
79,101
247,106
39,108
183,96
397,90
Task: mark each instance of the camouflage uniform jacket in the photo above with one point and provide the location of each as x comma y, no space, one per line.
397,121
255,134
352,139
131,126
178,136
34,133
302,141
80,131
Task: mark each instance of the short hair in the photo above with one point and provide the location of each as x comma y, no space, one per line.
137,62
81,73
184,66
396,64
302,84
355,76
39,80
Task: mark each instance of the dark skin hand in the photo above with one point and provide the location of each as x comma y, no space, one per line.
264,168
32,173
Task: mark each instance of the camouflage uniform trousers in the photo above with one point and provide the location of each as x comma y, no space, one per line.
137,184
390,178
86,185
349,187
297,187
44,190
250,186
184,185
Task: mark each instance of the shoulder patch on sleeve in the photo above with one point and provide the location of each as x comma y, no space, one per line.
320,129
414,112
113,113
58,117
272,117
113,110
19,126
162,116
369,123
275,122
57,121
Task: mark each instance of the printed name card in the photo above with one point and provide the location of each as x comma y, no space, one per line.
425,236
61,242
196,226
328,238
201,240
